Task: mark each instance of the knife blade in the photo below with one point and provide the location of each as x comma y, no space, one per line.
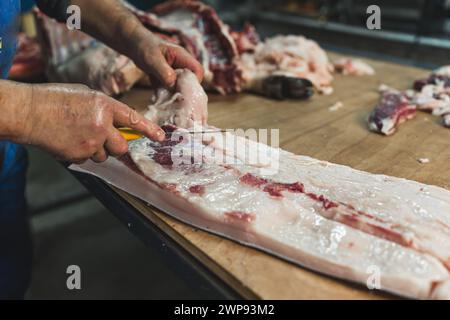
131,134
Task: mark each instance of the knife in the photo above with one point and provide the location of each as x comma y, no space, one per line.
131,134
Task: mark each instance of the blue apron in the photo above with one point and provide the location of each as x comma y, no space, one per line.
15,243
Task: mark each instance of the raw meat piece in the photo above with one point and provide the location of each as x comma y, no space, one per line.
446,119
236,61
188,104
327,217
203,34
354,67
247,39
433,98
443,71
289,56
393,109
433,93
74,57
28,61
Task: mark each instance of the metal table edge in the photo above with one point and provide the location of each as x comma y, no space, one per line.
190,269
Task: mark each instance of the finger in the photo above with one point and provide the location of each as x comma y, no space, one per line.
115,144
126,117
100,156
160,68
178,57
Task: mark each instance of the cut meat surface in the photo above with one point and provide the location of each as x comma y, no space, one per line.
186,105
393,109
203,33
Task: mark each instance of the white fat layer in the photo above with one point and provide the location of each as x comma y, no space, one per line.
443,71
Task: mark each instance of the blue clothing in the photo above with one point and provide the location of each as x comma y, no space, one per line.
15,242
9,12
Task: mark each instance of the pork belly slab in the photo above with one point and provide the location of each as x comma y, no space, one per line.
330,218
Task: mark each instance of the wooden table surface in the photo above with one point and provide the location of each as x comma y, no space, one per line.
310,128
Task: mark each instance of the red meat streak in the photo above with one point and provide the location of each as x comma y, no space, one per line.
405,114
128,161
275,189
344,213
241,216
198,189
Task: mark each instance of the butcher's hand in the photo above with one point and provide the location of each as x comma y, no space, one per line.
116,26
75,123
159,58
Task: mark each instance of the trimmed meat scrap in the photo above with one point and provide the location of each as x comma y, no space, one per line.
433,93
393,109
446,119
354,67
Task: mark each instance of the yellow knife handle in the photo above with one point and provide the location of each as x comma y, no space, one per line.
130,134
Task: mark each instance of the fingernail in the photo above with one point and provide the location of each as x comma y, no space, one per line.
160,135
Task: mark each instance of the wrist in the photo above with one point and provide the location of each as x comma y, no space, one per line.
136,40
16,102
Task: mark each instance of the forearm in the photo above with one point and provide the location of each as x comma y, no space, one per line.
15,103
113,24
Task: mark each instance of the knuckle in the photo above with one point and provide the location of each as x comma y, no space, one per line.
98,126
99,98
89,146
82,87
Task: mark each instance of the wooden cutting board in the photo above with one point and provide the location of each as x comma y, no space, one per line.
310,128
